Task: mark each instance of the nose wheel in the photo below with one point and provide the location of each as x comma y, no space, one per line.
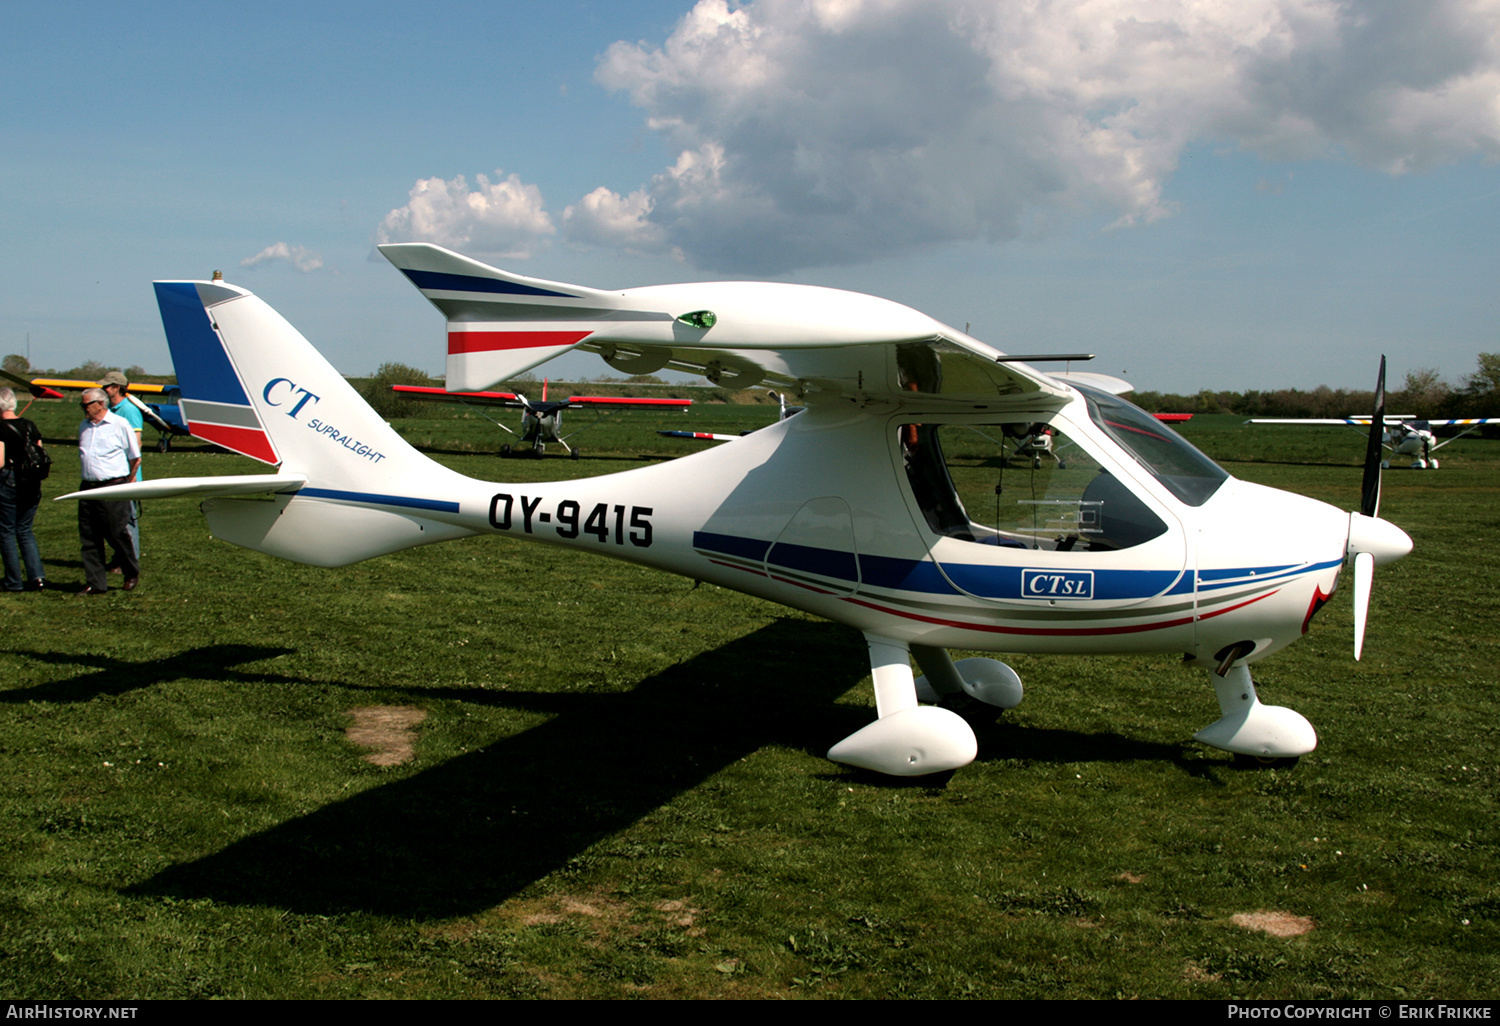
1266,734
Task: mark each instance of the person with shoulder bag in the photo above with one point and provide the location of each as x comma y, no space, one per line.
26,466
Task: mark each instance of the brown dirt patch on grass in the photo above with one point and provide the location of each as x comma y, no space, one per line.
1277,924
387,730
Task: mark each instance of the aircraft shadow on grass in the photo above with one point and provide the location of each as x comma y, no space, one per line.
117,676
465,835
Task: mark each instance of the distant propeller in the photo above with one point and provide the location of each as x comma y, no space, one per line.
1372,541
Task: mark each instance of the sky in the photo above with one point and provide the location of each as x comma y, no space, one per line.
1223,194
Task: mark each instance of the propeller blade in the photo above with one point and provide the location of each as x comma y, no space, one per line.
1364,575
1369,498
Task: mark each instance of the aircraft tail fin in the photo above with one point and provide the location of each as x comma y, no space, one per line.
251,383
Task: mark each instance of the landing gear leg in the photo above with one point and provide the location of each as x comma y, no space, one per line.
986,680
907,739
1248,728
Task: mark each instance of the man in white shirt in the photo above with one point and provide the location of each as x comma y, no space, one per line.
109,454
115,386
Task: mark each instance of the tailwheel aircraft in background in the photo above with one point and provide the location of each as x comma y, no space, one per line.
541,419
165,416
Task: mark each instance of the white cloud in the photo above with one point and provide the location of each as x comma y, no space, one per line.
831,131
605,218
300,257
504,218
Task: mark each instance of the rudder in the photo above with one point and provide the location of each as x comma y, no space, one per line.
253,384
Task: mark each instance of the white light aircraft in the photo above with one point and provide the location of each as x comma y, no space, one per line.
885,505
1402,435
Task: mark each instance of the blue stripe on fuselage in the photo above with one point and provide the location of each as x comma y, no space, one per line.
1213,580
380,500
924,576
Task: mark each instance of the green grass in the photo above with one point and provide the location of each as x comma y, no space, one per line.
619,791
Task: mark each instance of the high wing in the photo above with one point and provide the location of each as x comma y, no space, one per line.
824,344
150,414
168,391
510,399
1469,425
1359,422
1107,382
36,387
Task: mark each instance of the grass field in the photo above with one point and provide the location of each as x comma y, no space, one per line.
618,788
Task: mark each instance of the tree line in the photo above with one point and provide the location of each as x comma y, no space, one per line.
91,370
1422,393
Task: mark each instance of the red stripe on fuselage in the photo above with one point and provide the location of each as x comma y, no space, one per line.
1060,632
493,341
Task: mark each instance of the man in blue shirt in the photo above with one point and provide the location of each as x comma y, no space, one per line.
115,385
109,454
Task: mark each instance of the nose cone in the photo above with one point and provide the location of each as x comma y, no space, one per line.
1380,538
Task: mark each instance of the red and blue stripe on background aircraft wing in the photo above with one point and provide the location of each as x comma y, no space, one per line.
37,388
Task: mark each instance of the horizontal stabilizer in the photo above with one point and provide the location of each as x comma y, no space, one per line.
203,487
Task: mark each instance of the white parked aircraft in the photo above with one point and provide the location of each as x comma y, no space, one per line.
1403,436
886,505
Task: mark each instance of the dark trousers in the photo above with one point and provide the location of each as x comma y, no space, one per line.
101,524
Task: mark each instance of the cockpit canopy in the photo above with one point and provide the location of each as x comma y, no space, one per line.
1043,484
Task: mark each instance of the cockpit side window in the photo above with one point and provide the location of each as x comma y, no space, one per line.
1021,485
1171,459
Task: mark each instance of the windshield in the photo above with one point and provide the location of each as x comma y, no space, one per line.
1171,459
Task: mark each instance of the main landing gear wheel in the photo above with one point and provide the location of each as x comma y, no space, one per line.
906,739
